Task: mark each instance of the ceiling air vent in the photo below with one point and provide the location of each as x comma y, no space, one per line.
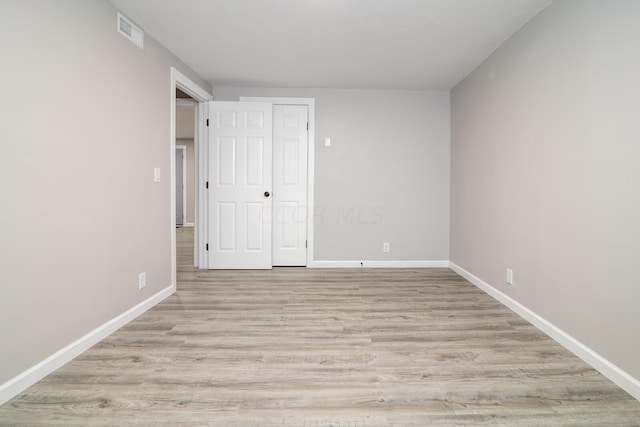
130,31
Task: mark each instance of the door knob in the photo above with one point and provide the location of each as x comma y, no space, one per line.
266,194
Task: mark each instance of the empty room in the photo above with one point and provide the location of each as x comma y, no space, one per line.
355,213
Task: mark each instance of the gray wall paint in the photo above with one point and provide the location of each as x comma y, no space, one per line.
190,181
545,172
185,120
386,176
185,126
86,122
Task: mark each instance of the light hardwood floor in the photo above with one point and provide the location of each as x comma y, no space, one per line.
298,347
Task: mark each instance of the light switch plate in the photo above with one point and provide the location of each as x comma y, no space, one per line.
156,174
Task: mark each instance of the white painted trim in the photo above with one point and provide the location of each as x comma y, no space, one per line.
26,379
201,173
189,87
311,153
179,80
623,379
380,264
184,182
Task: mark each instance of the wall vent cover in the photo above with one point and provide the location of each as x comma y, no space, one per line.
130,31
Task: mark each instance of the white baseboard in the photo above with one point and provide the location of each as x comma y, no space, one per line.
380,264
26,379
624,380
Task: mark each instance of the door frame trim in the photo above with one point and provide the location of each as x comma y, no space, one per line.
188,86
184,183
311,105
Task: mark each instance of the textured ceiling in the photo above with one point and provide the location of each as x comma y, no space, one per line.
400,44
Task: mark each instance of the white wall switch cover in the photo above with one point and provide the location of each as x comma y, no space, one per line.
327,142
156,174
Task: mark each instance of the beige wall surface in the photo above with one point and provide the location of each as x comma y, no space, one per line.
545,151
190,184
185,126
385,177
185,120
84,122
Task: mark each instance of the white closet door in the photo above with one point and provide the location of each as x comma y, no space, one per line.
290,136
240,185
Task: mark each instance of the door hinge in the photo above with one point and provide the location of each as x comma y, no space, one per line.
206,185
207,122
207,247
307,125
306,244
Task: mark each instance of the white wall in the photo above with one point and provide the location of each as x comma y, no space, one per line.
545,176
386,176
84,122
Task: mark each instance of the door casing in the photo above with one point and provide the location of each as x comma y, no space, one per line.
184,83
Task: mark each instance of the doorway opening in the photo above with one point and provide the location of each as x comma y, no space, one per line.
186,93
185,159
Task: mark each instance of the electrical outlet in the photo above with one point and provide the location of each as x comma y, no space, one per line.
142,280
385,247
509,276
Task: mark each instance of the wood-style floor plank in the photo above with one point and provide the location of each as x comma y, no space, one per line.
298,347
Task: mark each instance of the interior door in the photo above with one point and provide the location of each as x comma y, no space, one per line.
240,179
179,187
290,136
